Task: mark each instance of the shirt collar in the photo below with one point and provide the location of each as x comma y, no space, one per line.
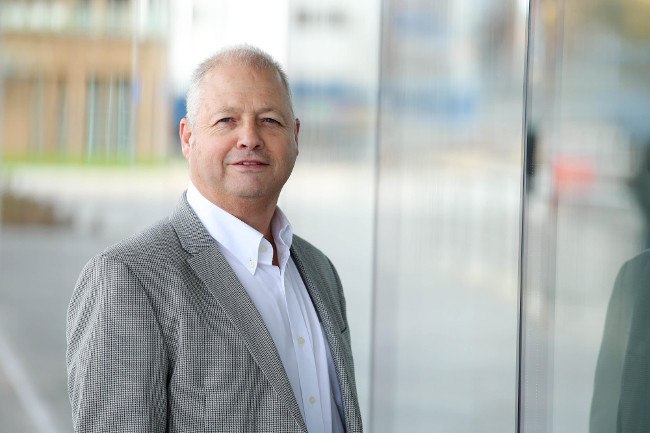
245,243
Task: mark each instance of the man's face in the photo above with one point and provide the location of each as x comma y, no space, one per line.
244,141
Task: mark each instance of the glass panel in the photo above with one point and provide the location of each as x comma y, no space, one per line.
330,194
586,355
445,318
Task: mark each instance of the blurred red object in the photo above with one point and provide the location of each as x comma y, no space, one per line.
572,172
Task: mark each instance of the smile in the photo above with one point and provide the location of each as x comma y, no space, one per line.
250,163
246,166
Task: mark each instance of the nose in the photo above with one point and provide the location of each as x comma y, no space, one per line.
249,136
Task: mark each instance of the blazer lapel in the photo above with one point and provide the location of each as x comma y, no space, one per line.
211,267
322,303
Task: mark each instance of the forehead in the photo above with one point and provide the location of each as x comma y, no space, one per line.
236,81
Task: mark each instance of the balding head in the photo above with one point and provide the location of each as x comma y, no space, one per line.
243,55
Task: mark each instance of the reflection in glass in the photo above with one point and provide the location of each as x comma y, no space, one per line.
621,398
589,88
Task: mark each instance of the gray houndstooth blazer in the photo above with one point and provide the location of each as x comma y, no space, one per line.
162,337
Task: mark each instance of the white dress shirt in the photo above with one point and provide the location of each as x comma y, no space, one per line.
280,296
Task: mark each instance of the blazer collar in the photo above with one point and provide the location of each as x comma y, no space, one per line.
191,233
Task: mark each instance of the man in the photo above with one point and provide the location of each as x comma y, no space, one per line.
217,319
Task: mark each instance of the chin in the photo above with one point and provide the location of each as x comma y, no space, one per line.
251,194
253,191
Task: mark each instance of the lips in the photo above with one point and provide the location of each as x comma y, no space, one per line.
247,164
250,163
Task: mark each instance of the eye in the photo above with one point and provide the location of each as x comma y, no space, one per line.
225,120
271,121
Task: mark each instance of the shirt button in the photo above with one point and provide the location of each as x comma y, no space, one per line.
262,248
301,340
312,400
251,263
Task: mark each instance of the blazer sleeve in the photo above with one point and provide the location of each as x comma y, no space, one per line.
115,356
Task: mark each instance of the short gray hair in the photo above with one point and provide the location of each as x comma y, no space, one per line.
246,55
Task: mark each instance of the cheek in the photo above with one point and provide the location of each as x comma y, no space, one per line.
199,159
294,150
212,158
290,159
195,156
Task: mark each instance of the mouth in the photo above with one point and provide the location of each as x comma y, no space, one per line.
250,163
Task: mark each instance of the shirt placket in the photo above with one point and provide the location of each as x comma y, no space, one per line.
303,344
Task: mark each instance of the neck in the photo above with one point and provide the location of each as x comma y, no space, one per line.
258,217
256,213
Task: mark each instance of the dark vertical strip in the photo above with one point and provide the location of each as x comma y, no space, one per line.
523,244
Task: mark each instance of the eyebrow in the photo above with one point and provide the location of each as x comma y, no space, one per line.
232,110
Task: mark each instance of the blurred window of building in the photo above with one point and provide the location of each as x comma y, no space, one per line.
97,74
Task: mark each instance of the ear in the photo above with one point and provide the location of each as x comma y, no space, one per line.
297,130
185,134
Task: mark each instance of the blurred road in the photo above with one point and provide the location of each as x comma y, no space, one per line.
38,268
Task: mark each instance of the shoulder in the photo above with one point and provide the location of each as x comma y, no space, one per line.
640,262
634,276
306,247
635,272
154,250
159,239
630,284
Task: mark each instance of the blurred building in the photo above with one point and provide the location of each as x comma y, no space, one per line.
84,80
